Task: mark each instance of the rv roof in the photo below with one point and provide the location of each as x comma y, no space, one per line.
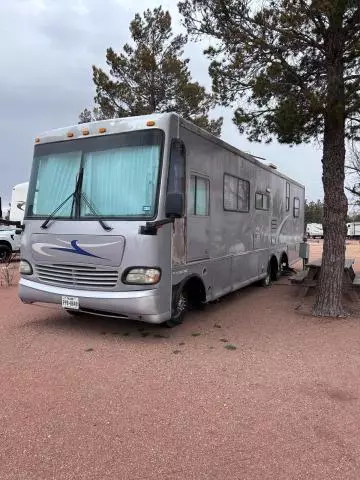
114,125
119,125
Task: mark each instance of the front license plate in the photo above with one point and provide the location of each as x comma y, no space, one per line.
71,303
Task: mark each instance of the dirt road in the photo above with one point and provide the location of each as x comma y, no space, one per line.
102,399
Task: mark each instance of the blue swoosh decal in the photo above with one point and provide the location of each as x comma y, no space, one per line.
75,249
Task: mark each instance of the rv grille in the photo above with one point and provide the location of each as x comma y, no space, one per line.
81,276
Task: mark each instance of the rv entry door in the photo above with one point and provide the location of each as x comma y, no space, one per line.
198,218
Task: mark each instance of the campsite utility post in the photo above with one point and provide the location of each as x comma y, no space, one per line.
304,251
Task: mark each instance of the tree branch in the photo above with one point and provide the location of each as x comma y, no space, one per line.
352,77
274,51
317,19
355,19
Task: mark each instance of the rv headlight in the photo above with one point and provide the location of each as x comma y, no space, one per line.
25,268
142,276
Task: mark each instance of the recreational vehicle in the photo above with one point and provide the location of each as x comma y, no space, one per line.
18,202
141,218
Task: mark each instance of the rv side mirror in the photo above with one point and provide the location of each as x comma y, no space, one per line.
174,205
0,209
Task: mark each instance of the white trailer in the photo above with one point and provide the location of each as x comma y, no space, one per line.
353,230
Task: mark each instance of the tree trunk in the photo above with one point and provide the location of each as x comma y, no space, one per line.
329,298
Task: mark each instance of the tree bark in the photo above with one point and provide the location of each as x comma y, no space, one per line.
329,298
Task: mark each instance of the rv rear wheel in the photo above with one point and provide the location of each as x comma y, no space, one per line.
179,308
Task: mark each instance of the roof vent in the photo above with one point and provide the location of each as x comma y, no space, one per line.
271,165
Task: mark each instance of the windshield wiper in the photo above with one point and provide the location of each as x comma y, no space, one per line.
51,216
94,212
73,195
77,195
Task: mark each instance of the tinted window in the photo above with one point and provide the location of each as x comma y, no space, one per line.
236,194
199,196
262,201
296,207
287,200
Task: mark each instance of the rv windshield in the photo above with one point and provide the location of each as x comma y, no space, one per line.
120,176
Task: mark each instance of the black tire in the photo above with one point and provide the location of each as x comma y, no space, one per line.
179,309
5,253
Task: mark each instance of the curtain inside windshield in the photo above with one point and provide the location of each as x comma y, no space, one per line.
122,181
120,176
56,180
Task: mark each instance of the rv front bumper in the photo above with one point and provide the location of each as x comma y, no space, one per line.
143,305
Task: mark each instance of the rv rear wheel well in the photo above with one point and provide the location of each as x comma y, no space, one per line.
195,291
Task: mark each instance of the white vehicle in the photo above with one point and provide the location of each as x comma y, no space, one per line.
353,229
314,230
18,202
9,242
10,236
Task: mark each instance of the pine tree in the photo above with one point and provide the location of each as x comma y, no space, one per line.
151,76
314,212
291,69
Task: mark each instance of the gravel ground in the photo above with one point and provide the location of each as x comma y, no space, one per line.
87,398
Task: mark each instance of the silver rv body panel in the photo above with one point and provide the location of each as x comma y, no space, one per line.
222,248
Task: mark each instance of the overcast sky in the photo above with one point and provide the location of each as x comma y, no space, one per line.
46,52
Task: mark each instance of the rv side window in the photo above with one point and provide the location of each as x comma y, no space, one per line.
296,207
287,196
262,201
236,194
199,196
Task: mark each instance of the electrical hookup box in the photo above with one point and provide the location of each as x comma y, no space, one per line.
304,250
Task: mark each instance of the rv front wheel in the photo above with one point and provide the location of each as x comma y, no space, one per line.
179,308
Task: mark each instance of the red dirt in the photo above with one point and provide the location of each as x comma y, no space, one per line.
101,399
